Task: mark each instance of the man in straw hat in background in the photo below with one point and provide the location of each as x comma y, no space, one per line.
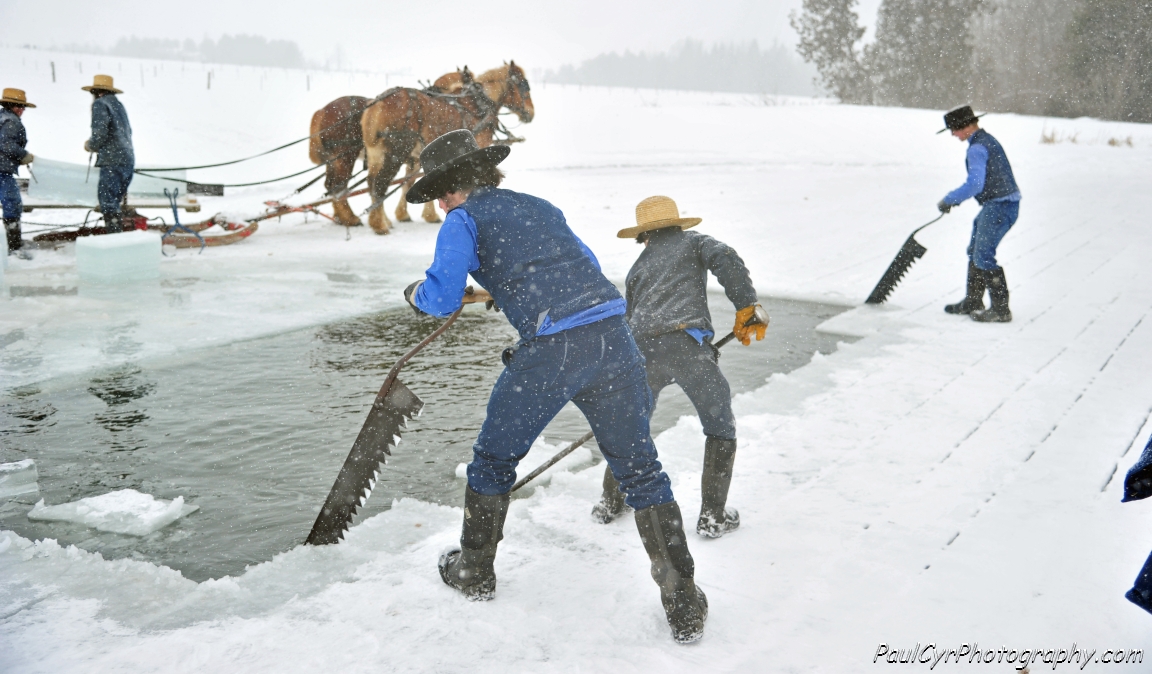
990,180
13,138
574,346
112,141
667,291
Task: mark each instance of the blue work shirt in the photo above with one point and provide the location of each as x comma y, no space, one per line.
977,174
457,255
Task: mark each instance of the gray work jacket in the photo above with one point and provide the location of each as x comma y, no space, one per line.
111,133
668,285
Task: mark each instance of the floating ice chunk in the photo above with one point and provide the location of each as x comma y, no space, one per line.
18,478
126,511
128,256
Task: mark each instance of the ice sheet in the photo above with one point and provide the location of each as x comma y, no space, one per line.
126,511
18,477
67,183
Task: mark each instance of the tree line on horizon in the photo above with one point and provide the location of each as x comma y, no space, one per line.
689,65
1065,58
242,49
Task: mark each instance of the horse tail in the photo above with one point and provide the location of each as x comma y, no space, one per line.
315,147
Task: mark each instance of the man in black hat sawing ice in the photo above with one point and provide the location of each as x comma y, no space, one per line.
991,182
574,346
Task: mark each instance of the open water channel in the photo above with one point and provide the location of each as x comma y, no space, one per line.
255,432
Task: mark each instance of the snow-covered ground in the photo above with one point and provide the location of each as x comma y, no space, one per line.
936,481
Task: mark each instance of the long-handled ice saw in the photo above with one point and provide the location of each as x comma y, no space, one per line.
759,317
909,253
395,404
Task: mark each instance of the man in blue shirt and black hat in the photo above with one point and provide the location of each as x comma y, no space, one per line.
991,182
574,345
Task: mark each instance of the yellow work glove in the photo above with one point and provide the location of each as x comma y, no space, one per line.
750,321
28,159
87,146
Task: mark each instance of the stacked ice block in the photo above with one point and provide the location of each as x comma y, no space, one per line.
128,256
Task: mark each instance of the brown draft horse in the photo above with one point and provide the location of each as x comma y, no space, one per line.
338,135
401,122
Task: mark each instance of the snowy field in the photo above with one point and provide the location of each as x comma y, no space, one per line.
936,481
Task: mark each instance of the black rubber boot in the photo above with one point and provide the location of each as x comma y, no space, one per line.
662,531
998,291
974,297
113,223
15,239
469,568
716,520
611,503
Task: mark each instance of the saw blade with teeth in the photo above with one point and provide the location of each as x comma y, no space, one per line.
381,431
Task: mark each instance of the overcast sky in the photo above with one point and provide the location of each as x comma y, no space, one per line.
393,35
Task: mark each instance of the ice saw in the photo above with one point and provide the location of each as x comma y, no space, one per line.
395,404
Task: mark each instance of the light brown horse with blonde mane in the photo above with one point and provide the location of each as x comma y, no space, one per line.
397,126
338,131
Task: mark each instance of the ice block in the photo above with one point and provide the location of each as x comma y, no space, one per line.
18,478
112,258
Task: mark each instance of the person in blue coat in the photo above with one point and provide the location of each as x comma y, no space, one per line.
574,346
13,155
111,140
1137,486
991,182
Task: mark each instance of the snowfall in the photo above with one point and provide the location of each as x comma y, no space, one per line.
935,481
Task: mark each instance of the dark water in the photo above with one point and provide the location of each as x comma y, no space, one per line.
255,432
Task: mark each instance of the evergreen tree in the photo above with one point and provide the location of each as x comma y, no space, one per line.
922,56
829,31
1110,59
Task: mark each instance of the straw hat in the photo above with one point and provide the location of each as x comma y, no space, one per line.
16,97
102,83
657,213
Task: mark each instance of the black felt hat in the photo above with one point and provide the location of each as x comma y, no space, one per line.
959,118
453,150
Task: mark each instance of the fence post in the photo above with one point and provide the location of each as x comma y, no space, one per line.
53,64
209,79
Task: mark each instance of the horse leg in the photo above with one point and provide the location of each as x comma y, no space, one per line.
402,207
430,214
337,173
377,154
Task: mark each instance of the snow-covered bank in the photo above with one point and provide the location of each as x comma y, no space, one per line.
937,481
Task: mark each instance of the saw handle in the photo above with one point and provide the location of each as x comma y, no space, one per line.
395,371
474,296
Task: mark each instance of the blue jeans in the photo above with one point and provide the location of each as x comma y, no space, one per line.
10,197
114,181
599,368
989,227
676,358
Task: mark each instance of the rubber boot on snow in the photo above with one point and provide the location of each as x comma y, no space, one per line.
716,520
611,503
469,567
662,531
15,239
998,291
974,297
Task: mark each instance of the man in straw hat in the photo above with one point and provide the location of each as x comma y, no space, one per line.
990,180
112,141
13,138
574,346
668,313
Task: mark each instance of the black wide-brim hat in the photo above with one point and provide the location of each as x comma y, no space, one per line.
448,153
959,118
